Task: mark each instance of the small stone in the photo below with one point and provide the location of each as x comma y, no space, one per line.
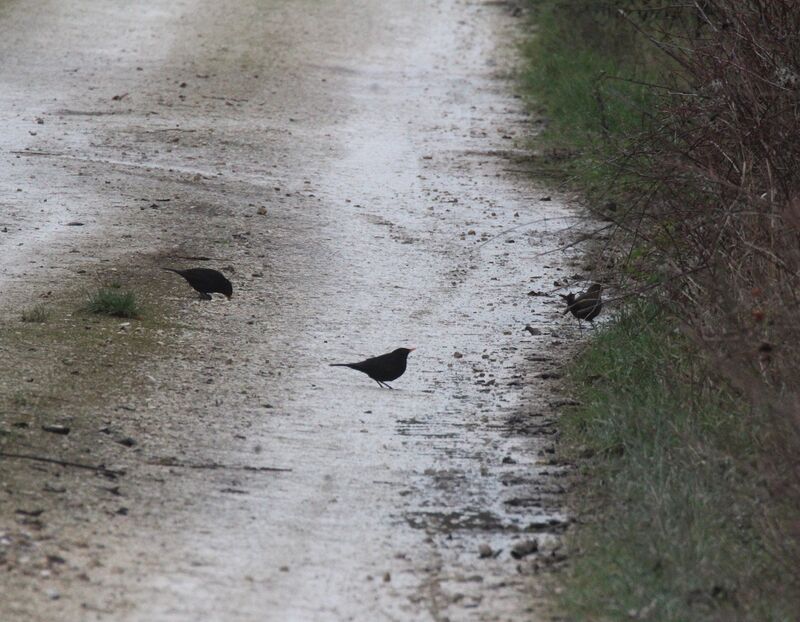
33,513
524,548
549,375
458,355
484,551
533,330
387,577
55,428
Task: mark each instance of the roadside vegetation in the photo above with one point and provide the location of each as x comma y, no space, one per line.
36,314
113,301
679,123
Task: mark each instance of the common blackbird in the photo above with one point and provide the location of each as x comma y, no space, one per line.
206,281
382,368
586,305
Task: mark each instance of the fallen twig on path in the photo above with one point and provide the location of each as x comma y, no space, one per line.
66,463
171,462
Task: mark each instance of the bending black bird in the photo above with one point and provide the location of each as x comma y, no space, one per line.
382,368
587,305
206,281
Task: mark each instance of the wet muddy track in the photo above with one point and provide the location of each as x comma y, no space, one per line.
348,164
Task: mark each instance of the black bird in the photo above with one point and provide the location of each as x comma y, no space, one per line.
586,305
382,368
206,281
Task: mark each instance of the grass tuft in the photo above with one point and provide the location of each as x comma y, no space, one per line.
37,314
20,399
113,301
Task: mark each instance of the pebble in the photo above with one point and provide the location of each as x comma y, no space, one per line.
55,428
484,551
524,548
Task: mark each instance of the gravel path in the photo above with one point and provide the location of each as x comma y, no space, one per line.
348,164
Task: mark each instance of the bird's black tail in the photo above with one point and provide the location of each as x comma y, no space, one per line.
342,365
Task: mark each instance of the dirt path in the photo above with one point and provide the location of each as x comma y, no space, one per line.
351,161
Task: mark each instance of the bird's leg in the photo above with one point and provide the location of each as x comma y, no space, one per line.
380,384
204,296
387,386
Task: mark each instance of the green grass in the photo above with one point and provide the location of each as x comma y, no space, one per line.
37,314
113,301
677,523
674,527
581,64
19,399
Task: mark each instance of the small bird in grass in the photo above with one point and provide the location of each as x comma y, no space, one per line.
206,281
382,368
586,305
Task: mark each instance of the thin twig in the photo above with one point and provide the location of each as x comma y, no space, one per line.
527,224
66,463
215,465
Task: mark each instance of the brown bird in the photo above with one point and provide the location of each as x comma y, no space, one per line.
586,305
206,281
382,368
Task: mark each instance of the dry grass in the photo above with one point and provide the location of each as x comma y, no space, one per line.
38,314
